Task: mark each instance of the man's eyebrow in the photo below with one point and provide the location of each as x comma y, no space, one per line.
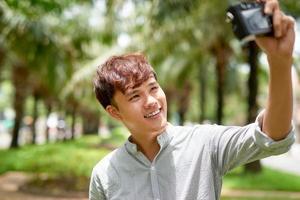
152,83
134,89
130,91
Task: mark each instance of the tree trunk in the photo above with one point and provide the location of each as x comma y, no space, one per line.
252,82
221,51
253,51
253,167
220,91
202,79
170,95
73,122
19,74
63,127
184,100
2,56
18,107
90,122
49,110
34,117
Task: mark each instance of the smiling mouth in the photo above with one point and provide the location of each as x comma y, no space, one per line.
150,115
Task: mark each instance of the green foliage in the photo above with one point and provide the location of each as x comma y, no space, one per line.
268,179
291,7
72,158
173,9
117,137
54,39
39,7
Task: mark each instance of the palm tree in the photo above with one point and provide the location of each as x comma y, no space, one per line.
221,51
79,94
33,41
19,71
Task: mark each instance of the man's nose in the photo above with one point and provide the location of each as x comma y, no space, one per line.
150,101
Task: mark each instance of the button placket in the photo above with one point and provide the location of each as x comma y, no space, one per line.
154,181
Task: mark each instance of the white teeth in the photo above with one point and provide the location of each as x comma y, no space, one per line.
152,114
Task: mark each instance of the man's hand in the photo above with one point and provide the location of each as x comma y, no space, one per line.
281,45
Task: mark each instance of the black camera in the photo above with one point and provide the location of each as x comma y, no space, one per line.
249,20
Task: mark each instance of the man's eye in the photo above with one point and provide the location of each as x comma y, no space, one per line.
134,97
154,88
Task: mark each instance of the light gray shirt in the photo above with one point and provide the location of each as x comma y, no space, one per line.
189,165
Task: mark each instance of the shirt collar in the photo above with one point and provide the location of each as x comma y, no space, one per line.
163,140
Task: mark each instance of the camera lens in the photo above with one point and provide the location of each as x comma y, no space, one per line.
229,17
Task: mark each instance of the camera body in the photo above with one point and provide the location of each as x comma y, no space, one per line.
249,20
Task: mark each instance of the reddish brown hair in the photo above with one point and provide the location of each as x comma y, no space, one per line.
118,73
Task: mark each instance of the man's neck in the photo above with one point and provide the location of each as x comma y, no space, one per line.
148,146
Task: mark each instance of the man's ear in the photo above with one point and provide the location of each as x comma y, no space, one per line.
113,111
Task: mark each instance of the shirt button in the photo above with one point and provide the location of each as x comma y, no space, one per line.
153,168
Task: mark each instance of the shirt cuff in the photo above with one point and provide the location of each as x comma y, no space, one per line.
267,143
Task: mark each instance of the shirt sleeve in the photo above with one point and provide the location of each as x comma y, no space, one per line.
96,190
233,146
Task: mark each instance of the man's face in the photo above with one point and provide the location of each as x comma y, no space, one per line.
142,109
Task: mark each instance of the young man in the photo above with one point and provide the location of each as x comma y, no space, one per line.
162,161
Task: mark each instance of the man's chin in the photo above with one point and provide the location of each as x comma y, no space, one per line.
161,128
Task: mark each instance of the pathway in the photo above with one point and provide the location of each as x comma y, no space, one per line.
11,182
259,194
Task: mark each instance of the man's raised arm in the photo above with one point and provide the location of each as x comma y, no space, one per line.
279,49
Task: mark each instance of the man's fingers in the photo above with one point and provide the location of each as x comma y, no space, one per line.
288,24
290,21
271,6
287,40
277,22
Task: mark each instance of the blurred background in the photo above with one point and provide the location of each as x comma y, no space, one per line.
52,129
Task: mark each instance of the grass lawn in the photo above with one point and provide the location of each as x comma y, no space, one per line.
71,158
268,179
259,198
